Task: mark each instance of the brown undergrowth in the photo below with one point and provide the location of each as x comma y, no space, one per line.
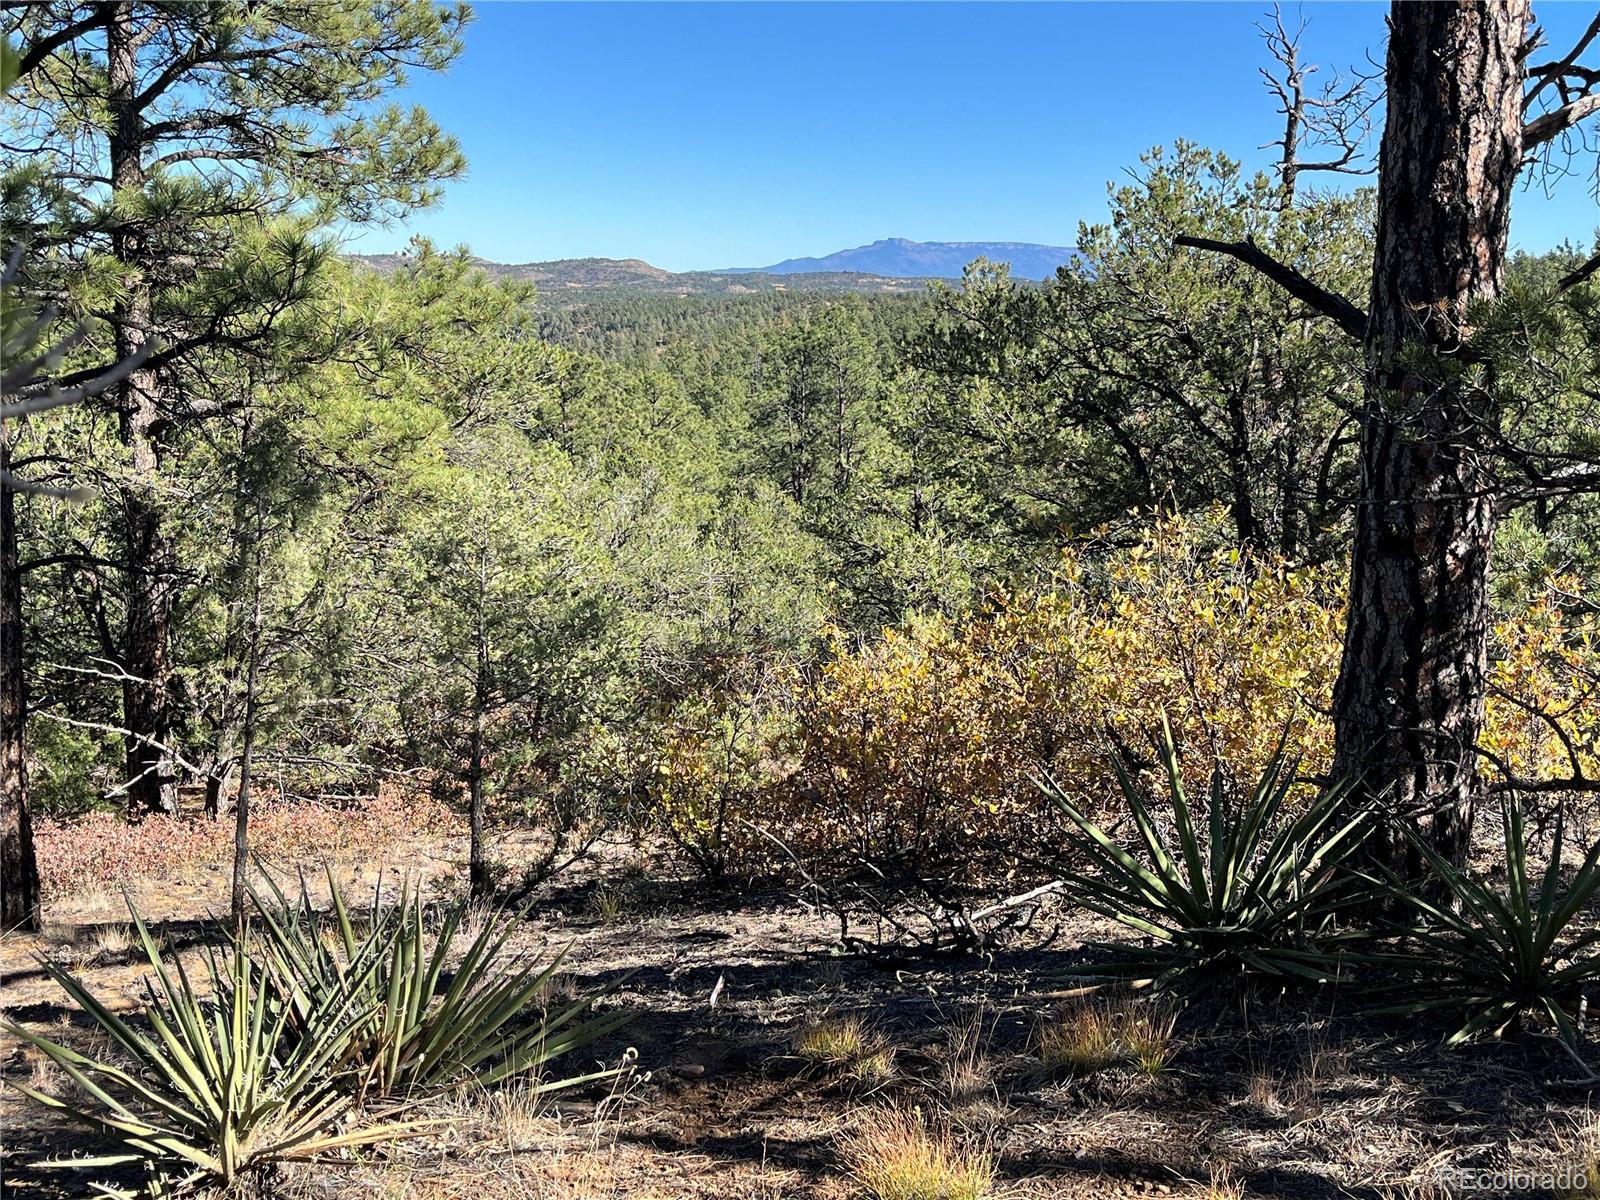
767,1069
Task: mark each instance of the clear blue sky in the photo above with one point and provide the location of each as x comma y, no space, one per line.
715,135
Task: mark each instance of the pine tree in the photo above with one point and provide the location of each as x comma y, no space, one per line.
1439,415
177,162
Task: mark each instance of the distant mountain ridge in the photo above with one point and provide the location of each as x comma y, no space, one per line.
888,265
573,279
903,258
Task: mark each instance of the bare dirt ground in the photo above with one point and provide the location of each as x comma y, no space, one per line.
1258,1099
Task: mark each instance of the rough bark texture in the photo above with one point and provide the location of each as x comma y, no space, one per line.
19,873
1408,706
147,714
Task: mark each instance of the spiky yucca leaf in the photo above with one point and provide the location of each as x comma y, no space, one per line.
208,1098
1253,899
1496,954
429,1027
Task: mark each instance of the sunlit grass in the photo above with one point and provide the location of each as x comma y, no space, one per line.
847,1046
1095,1034
894,1154
1579,1154
1147,1037
1079,1041
834,1041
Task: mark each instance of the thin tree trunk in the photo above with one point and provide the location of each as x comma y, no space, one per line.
1408,707
241,807
479,884
1242,471
147,711
19,871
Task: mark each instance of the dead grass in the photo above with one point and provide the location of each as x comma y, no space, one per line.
611,902
1223,1185
966,1075
1147,1038
895,1154
1095,1033
834,1040
1081,1040
111,942
1296,1093
847,1047
1578,1161
514,1115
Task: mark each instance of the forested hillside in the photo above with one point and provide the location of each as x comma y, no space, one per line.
428,528
1232,591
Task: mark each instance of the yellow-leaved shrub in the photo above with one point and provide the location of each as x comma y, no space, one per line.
1542,714
923,746
721,761
916,752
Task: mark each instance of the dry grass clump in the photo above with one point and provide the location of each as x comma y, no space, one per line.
1092,1035
1297,1096
515,1115
610,901
894,1154
1579,1163
965,1075
873,1070
833,1040
846,1045
1079,1041
110,942
1223,1185
1147,1038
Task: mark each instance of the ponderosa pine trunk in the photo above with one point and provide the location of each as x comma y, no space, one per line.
1408,707
19,872
146,666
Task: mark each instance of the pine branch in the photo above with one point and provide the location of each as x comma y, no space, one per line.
1345,314
1578,276
36,52
1557,121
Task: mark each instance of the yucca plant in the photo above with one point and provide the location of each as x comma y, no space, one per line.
1254,899
428,1025
1496,954
207,1097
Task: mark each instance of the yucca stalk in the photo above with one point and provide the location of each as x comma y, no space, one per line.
1496,954
1252,900
207,1097
429,1028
